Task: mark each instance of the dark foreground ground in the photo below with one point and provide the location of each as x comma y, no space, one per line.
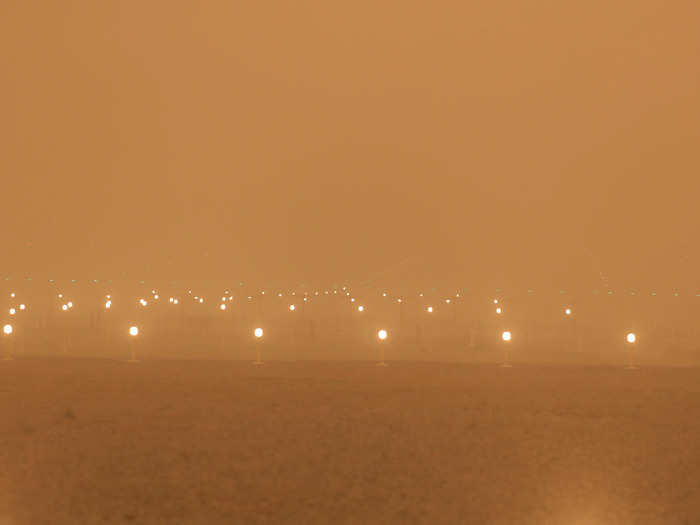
178,442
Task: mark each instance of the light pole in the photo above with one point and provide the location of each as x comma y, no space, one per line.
506,337
382,335
258,334
133,334
7,332
631,339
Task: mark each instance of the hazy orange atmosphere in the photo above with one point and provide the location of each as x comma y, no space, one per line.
511,190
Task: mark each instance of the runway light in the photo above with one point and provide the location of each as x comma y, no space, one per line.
60,296
360,308
176,301
498,310
7,329
70,305
108,305
222,307
292,307
155,297
430,309
171,299
567,311
352,299
258,333
398,300
64,307
230,298
631,338
495,301
448,301
133,331
13,311
382,335
22,307
384,294
201,300
506,336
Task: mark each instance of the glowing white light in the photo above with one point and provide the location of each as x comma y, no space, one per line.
306,299
292,307
201,300
12,311
567,311
12,294
398,300
133,331
384,294
448,301
108,305
230,298
279,294
258,332
382,334
155,297
495,301
153,292
506,336
360,308
109,297
22,307
70,305
263,292
498,310
250,298
170,299
222,307
60,296
176,301
631,338
352,299
430,309
64,307
7,329
196,297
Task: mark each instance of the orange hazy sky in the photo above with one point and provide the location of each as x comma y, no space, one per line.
527,142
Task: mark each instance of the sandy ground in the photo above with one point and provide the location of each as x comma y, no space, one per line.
178,442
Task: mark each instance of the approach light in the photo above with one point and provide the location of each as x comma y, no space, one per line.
567,311
222,307
506,336
22,307
631,338
498,310
201,300
382,334
13,311
133,331
292,307
360,308
258,333
70,304
495,301
7,329
430,309
176,301
64,307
